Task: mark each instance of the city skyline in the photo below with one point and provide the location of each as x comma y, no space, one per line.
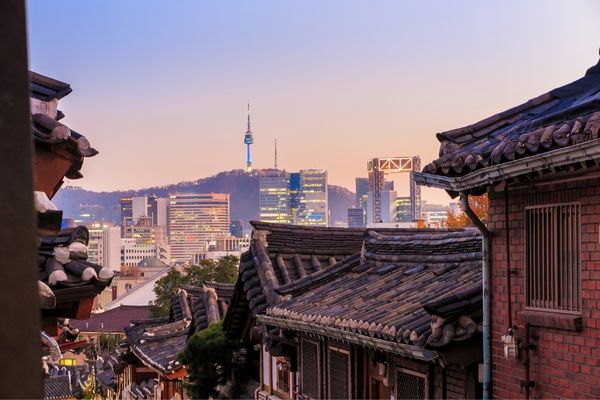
172,84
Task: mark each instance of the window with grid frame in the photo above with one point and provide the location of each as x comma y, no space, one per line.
552,257
311,368
410,384
339,373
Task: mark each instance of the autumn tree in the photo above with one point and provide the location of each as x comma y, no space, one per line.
479,205
224,270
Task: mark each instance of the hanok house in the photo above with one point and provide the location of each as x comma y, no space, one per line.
148,365
112,321
539,164
398,320
278,256
67,283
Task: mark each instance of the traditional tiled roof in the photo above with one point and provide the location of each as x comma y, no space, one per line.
47,131
63,265
46,88
143,390
157,342
280,255
560,118
107,379
382,292
63,383
202,305
159,346
115,320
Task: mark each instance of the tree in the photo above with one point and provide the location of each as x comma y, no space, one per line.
207,358
227,269
479,205
165,288
224,270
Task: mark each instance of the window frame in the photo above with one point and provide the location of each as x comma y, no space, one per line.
576,287
302,366
408,371
331,347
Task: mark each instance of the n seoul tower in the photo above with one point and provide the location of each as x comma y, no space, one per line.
248,140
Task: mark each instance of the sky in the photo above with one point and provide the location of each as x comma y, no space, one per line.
160,88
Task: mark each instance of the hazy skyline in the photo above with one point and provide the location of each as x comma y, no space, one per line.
160,88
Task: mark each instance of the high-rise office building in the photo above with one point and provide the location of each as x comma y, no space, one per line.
134,251
143,230
356,218
313,208
274,196
362,191
403,209
193,220
162,212
104,246
126,205
294,195
141,206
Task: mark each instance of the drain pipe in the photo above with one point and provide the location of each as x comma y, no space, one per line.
486,247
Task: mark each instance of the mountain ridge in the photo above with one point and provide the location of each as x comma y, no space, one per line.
242,187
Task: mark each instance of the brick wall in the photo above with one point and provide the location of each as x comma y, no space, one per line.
457,383
565,363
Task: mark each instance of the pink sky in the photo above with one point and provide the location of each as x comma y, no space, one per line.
162,93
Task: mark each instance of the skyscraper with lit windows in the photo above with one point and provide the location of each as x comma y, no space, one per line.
193,220
274,196
314,206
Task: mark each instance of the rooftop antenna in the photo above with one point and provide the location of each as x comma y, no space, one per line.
275,153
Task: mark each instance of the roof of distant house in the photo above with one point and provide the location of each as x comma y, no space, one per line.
63,383
152,262
114,320
140,295
563,117
392,290
157,342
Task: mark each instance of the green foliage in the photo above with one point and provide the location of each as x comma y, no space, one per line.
165,288
224,270
207,357
227,270
107,343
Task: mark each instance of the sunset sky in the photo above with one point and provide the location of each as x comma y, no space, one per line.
160,87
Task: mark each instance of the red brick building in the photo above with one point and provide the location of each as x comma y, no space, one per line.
539,164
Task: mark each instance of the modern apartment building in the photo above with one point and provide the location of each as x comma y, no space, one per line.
193,220
274,196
